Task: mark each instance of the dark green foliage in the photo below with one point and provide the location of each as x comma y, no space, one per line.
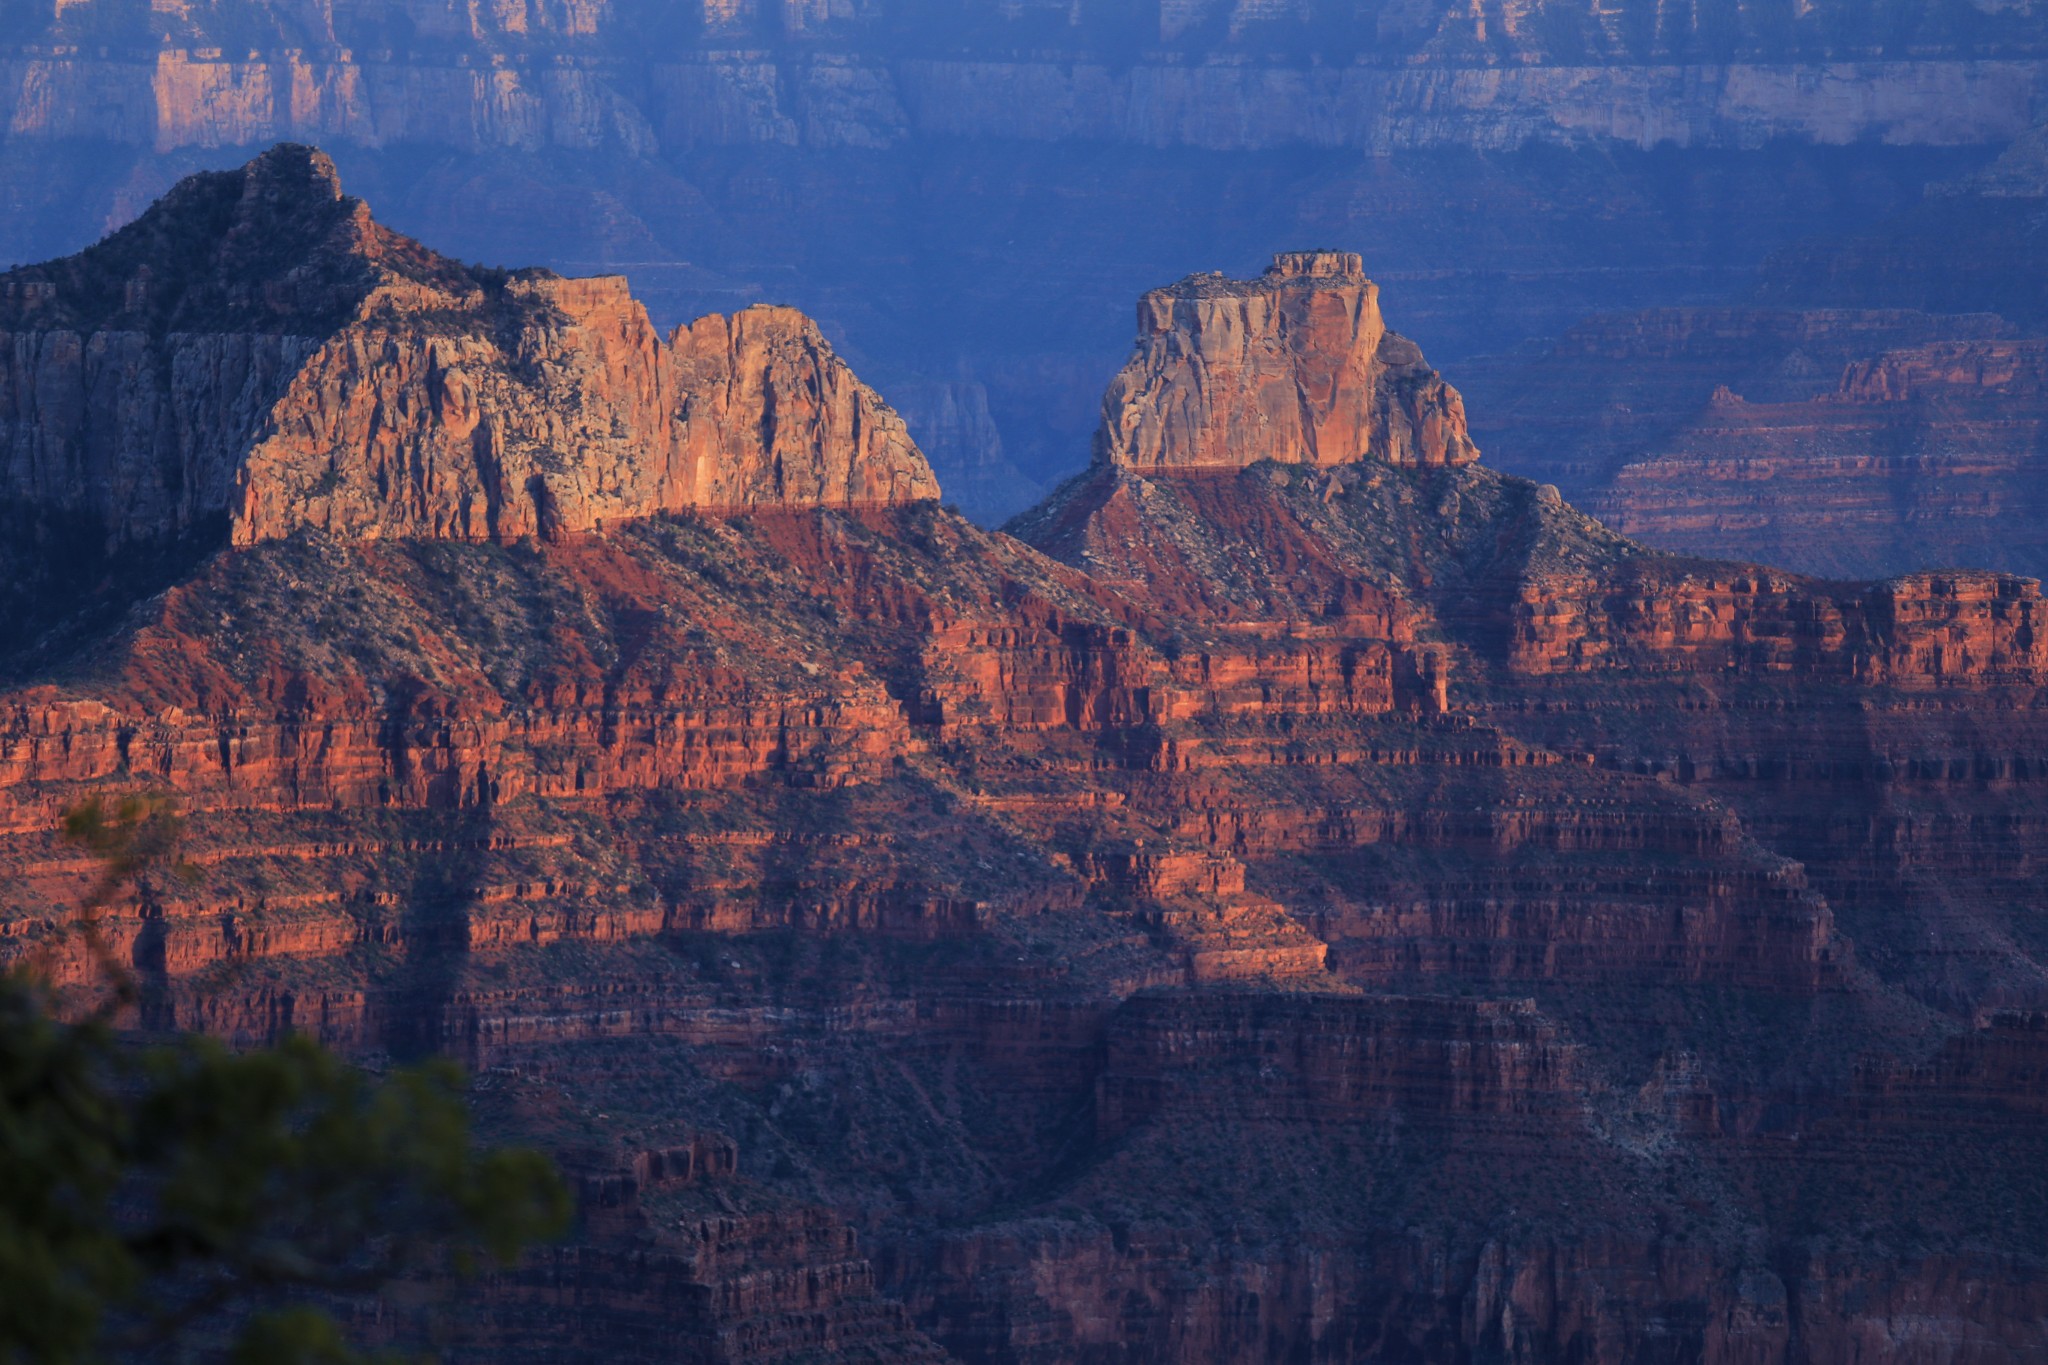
157,1196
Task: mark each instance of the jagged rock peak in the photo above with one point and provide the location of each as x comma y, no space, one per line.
273,246
1296,366
255,354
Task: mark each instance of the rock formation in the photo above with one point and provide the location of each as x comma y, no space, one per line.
582,134
1332,908
679,138
255,355
1921,456
1211,74
257,349
1843,443
1296,367
771,417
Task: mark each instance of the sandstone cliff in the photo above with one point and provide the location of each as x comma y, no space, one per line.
1296,367
1210,73
771,417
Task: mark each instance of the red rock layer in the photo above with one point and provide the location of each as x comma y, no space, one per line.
1927,456
1918,631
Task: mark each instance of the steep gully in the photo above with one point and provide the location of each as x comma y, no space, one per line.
1298,893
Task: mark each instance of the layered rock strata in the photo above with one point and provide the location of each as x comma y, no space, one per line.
1615,386
1876,412
1318,908
1928,456
1838,442
1207,74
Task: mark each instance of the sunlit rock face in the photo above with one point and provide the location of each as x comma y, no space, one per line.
257,351
1296,366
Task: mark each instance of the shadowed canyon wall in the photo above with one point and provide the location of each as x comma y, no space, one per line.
1219,74
1873,409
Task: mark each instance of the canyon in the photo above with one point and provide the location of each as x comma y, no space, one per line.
1297,892
1242,75
910,175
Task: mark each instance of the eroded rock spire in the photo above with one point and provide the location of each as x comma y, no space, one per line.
1296,366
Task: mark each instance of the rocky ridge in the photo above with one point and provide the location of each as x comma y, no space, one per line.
321,371
874,907
256,355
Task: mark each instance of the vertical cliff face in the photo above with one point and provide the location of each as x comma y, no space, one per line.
537,405
494,409
1213,73
257,349
769,416
139,372
1296,367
